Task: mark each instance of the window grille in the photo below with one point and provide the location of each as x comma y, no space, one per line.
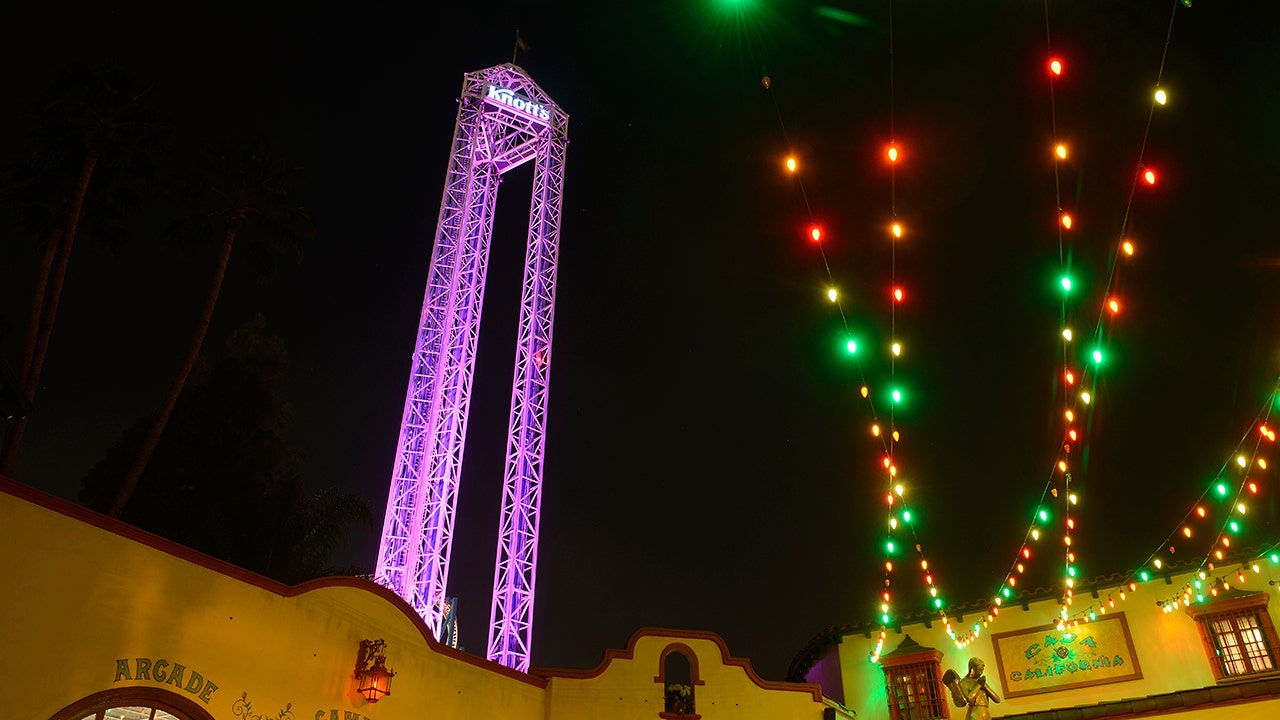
1238,636
915,692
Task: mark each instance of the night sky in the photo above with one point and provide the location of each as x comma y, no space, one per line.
709,460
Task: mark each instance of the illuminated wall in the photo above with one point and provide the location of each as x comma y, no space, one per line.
1167,646
96,609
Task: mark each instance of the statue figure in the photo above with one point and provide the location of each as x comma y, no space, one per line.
971,691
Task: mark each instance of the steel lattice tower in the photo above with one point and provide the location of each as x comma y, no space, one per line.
504,120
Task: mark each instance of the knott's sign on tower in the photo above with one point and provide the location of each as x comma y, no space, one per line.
504,121
508,97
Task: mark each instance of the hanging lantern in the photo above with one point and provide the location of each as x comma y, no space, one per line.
373,679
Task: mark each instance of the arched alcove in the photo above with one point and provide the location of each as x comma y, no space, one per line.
678,678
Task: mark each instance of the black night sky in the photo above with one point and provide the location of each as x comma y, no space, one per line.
709,460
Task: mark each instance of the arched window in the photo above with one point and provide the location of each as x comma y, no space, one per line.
678,677
133,703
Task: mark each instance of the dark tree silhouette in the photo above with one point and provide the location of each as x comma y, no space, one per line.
225,480
247,191
94,129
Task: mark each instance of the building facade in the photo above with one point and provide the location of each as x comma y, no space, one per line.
101,620
1145,651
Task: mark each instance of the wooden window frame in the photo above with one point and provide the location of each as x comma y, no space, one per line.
1253,607
923,671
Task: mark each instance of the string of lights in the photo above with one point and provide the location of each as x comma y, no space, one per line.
1081,364
1079,383
894,494
1249,458
886,431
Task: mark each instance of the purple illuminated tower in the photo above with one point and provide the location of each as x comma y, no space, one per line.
504,120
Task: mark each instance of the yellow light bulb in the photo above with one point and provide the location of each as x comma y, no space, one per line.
831,294
1161,97
897,349
875,431
1066,334
1061,151
1086,398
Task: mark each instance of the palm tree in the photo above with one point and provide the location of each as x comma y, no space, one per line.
96,124
252,507
245,189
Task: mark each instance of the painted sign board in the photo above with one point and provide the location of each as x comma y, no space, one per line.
1043,660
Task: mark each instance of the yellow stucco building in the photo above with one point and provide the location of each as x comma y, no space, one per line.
101,620
1140,656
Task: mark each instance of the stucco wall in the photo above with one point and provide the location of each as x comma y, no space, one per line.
1168,648
90,603
81,599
